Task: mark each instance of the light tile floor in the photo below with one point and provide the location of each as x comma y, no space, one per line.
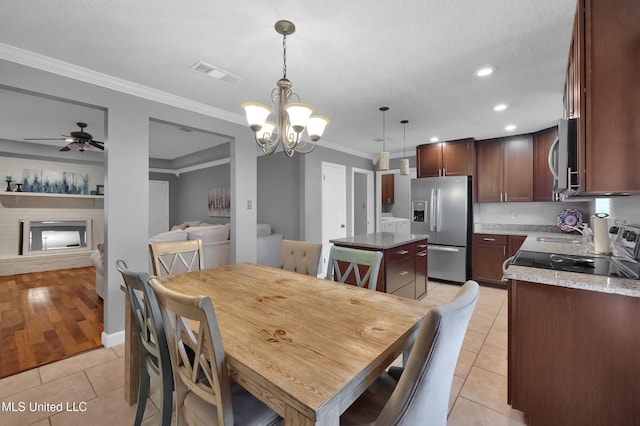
88,388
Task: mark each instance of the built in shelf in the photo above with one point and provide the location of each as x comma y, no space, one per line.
46,200
45,194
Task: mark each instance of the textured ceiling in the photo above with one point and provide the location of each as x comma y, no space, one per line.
347,58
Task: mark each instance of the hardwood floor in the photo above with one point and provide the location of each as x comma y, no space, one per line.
48,316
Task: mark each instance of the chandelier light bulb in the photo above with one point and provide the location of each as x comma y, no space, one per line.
257,114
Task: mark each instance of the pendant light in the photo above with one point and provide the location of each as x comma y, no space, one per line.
383,159
404,163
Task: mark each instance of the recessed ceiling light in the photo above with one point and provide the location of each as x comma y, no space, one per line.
510,128
500,107
485,71
435,139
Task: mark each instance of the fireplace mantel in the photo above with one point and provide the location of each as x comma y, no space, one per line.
44,200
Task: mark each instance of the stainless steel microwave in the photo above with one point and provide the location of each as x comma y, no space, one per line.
563,158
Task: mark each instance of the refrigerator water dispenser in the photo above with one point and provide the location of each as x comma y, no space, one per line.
418,209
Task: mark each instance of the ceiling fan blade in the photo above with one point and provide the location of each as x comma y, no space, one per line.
44,139
66,148
97,144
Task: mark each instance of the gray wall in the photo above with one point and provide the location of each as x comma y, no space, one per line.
279,193
127,173
191,193
311,202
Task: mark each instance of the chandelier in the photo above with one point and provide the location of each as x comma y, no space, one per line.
292,117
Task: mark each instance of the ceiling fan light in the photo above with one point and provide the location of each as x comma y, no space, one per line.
298,115
256,114
316,126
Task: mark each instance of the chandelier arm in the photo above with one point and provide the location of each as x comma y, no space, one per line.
301,148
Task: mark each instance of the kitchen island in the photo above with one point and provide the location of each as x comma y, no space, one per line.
573,342
403,270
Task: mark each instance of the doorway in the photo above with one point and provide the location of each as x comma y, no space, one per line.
334,207
362,199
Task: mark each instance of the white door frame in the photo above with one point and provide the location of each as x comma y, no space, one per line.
370,198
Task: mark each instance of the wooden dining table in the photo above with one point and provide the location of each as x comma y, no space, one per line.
304,346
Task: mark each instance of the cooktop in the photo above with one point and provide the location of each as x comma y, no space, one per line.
608,266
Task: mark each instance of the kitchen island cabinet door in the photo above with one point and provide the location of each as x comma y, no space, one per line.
421,270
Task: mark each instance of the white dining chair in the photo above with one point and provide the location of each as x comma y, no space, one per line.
420,394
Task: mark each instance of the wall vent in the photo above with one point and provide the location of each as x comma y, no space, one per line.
215,72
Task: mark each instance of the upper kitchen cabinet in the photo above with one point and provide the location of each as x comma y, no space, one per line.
451,158
542,177
505,169
388,188
602,91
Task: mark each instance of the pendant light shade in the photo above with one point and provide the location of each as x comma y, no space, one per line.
404,163
383,158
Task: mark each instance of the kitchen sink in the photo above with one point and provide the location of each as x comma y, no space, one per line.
558,240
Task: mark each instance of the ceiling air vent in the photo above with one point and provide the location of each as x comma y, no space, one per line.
215,72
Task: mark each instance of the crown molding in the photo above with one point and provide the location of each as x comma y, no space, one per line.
55,66
193,168
65,69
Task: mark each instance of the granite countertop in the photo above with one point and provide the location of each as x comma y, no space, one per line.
573,246
380,240
506,229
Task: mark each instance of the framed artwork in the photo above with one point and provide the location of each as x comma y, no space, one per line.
220,201
99,189
55,182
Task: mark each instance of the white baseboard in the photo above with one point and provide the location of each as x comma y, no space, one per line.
113,339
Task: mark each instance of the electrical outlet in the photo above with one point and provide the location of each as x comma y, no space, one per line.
514,215
249,205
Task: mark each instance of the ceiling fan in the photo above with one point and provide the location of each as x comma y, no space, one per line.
81,141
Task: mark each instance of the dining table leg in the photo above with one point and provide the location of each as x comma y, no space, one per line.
131,356
293,417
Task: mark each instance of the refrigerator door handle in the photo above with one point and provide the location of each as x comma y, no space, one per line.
432,211
439,213
441,248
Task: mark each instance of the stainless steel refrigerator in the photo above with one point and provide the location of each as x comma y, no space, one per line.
441,207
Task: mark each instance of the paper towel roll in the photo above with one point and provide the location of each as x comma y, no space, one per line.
600,228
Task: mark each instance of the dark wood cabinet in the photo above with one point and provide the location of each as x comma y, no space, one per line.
388,189
573,355
490,252
451,158
542,177
602,91
403,271
505,169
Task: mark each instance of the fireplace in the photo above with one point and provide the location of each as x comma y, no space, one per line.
54,236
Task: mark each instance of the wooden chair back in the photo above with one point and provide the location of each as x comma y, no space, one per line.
192,328
176,257
345,262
